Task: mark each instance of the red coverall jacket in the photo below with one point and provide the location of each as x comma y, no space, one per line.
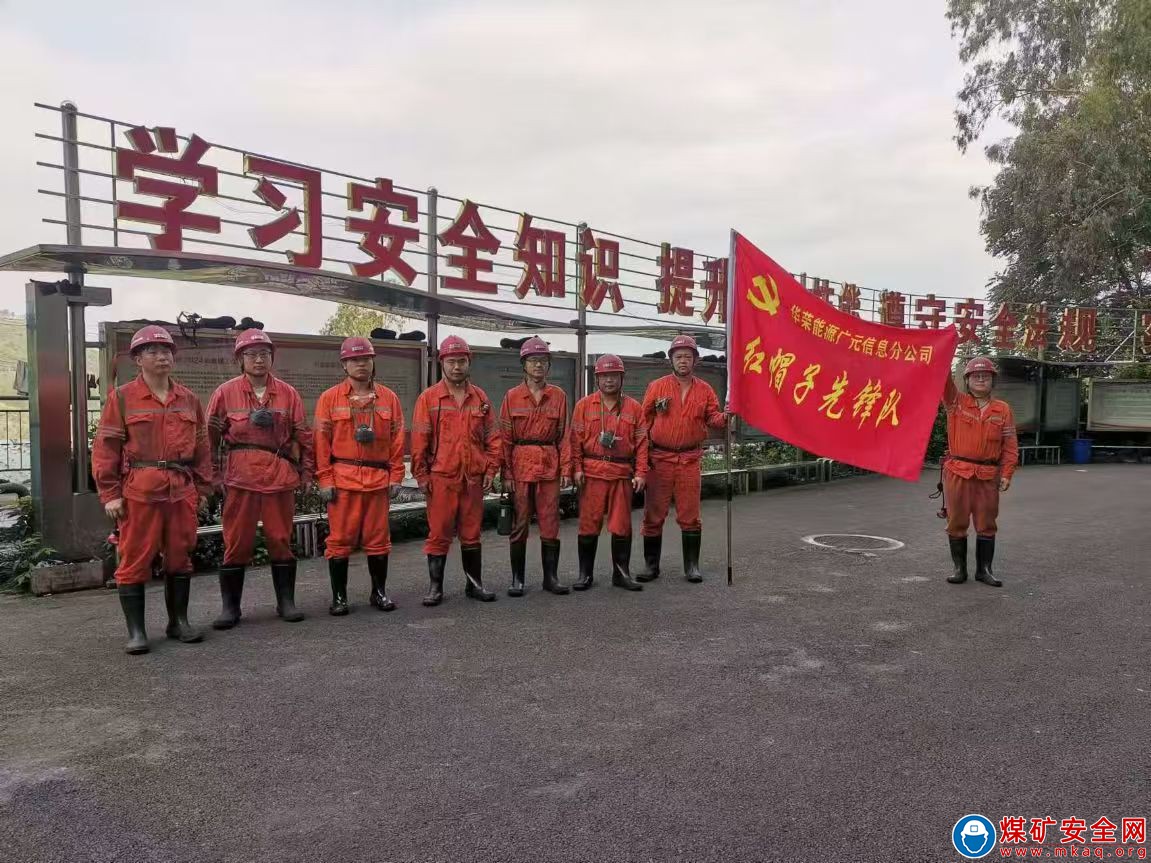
535,440
677,433
261,470
629,456
336,420
982,436
454,441
151,431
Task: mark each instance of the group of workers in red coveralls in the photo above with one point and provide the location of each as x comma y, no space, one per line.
158,457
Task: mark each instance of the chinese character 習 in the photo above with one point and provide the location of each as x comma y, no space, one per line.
676,280
600,271
173,213
480,239
264,235
389,256
542,253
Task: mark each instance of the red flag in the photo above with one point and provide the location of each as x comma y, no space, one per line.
827,381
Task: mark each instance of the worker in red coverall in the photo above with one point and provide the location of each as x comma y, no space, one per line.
455,456
536,462
610,459
359,469
151,463
679,409
257,422
982,452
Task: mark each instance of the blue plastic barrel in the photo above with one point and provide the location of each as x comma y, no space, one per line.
1081,450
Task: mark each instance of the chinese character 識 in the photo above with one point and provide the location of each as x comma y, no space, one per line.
822,289
1012,830
1003,325
264,235
676,280
753,357
715,289
865,400
849,299
1035,327
1072,830
968,318
383,256
600,261
1077,330
542,252
469,233
893,309
172,215
888,411
933,317
807,384
778,367
831,406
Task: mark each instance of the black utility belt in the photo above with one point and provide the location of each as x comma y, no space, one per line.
984,462
616,459
182,464
273,450
535,443
363,462
674,449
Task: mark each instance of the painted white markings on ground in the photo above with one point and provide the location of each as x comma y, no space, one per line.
849,542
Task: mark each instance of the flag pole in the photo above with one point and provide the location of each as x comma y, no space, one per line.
729,308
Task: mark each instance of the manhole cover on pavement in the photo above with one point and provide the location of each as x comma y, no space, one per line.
859,543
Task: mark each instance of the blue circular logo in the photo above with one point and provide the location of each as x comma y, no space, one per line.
973,836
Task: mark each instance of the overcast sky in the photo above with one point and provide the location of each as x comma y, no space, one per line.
821,130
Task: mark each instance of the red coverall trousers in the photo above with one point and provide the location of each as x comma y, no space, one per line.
359,519
971,500
606,496
242,510
453,503
541,498
148,529
668,482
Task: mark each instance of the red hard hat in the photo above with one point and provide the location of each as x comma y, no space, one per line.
454,346
151,335
534,347
609,363
683,341
357,346
250,338
980,364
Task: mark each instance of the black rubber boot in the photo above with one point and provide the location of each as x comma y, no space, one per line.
519,554
958,559
984,554
378,570
231,592
691,543
621,563
652,549
472,558
550,560
132,602
284,582
177,589
338,576
436,564
586,545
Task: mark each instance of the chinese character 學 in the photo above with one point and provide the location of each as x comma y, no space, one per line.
968,318
715,289
865,400
804,387
600,262
480,239
933,317
287,222
831,407
893,309
542,253
676,279
753,357
1077,330
1003,324
849,299
173,213
389,256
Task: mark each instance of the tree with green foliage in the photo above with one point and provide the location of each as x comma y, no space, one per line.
358,321
1070,208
